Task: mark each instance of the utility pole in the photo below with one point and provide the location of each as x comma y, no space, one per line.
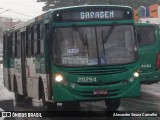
11,22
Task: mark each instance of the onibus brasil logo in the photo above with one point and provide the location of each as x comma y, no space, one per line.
1,116
4,114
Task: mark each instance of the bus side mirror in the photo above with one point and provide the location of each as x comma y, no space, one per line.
139,39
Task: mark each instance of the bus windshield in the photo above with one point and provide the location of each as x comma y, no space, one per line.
145,35
98,45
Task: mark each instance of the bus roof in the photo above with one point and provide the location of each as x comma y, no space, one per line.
49,13
83,6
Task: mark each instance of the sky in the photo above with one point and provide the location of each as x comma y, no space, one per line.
20,9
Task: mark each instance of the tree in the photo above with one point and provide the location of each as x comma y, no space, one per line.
51,4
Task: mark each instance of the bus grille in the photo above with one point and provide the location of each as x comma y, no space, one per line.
99,83
94,71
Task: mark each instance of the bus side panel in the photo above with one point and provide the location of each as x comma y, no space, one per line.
12,79
5,77
32,80
8,78
18,76
42,75
7,61
11,73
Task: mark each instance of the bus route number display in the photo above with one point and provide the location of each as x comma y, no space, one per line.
87,15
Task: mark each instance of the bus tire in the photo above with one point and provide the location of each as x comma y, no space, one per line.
112,104
18,98
44,103
42,95
47,106
16,94
71,106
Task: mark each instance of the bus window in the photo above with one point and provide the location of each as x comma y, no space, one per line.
28,49
145,36
35,40
32,41
9,51
4,46
29,42
42,39
38,40
18,44
13,45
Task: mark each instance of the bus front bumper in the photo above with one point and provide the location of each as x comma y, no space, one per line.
76,92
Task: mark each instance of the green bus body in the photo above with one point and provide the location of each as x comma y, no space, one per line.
115,87
80,82
149,49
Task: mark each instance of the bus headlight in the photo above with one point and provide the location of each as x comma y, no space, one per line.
58,78
136,74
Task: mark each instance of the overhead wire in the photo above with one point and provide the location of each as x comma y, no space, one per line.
4,11
20,13
10,10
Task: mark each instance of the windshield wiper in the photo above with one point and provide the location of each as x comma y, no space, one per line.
111,29
82,36
106,38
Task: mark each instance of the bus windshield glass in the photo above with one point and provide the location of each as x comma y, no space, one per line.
98,45
145,36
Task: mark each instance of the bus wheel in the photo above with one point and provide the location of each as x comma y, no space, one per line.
71,106
48,106
112,104
44,103
18,97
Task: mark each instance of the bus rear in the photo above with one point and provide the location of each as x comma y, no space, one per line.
149,52
94,55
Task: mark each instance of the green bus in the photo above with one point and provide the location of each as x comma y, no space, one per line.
148,36
72,55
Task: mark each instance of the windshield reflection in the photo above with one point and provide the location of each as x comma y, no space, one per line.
101,45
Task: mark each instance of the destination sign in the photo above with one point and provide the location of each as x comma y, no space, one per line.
93,14
97,15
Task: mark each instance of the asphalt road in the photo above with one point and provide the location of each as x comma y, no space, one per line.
148,102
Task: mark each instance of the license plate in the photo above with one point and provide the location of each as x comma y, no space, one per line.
99,92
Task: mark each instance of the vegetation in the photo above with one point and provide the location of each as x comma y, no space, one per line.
50,4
